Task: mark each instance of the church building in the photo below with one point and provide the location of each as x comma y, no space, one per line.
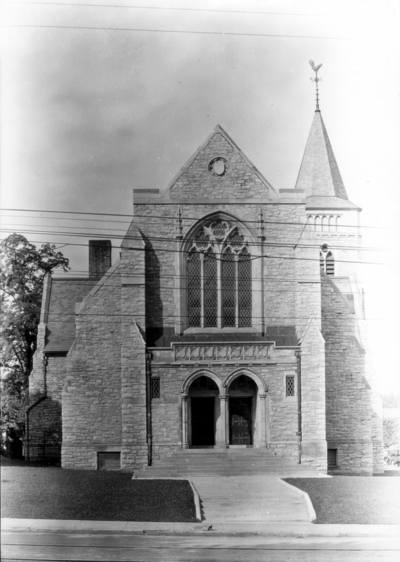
233,318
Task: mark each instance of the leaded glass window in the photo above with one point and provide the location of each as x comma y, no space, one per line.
244,288
155,387
219,269
194,288
210,290
290,385
228,282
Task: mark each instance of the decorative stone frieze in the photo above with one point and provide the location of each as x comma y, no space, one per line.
223,353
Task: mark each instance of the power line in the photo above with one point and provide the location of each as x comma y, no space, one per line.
185,316
169,250
169,9
182,32
153,285
187,218
171,239
83,274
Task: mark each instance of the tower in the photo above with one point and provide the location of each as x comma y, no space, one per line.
353,422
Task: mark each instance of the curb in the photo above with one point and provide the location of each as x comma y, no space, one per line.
196,500
215,529
309,506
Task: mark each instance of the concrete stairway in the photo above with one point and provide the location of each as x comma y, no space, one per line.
224,462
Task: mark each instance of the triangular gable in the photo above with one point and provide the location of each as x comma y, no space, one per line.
242,178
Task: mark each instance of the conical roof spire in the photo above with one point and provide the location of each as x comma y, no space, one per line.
319,174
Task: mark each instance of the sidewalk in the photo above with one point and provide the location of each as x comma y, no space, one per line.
248,499
285,529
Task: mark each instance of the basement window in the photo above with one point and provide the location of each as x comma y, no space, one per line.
109,461
332,458
155,387
290,391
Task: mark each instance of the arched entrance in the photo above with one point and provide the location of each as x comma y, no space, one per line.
209,407
203,412
242,407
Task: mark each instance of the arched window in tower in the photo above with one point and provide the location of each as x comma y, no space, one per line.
219,270
330,264
326,260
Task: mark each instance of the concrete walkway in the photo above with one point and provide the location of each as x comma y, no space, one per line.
256,498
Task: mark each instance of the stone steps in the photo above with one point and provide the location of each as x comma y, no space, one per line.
209,462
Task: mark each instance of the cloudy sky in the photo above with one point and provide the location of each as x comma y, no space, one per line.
98,99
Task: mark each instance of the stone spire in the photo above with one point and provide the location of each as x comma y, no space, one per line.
319,174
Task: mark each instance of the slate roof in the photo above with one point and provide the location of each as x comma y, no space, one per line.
327,202
319,173
281,335
64,293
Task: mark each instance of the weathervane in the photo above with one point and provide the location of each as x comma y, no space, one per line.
316,80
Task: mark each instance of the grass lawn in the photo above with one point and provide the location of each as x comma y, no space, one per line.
353,499
40,492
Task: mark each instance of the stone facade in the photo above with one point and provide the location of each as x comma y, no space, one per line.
131,362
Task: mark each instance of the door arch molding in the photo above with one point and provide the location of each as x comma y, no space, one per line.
262,387
200,373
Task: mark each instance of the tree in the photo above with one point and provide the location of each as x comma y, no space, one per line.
391,433
23,268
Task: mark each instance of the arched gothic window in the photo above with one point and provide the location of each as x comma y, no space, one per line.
326,260
219,271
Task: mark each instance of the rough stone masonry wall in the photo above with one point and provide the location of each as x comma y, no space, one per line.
231,193
279,266
348,411
45,425
308,289
376,401
313,398
283,227
92,393
282,412
240,181
133,357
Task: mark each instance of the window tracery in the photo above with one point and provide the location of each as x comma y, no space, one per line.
219,273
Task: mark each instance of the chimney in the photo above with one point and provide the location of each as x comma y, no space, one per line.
99,258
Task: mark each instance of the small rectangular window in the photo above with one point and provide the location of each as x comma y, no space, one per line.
109,461
332,457
290,385
155,388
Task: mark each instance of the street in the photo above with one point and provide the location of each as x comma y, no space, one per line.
32,545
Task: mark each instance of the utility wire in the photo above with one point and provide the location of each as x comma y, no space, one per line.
171,239
84,274
170,9
269,317
169,250
132,216
181,31
270,288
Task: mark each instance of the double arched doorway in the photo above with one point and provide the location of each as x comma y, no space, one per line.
229,414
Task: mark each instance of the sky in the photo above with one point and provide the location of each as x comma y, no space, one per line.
99,98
